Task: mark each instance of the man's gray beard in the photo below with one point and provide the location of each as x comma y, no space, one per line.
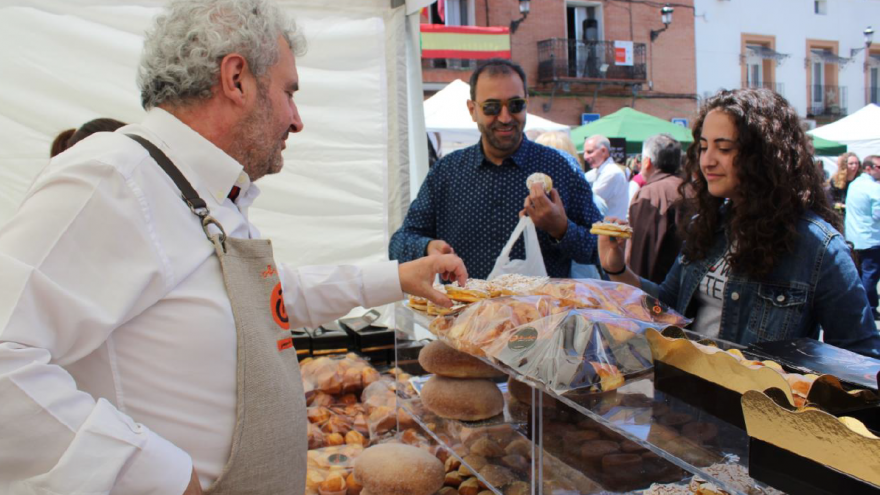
250,147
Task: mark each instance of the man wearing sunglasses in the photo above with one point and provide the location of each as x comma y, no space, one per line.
471,199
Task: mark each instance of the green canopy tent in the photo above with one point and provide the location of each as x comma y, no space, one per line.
825,147
632,125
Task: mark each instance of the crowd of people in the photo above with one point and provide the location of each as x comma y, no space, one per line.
742,233
141,305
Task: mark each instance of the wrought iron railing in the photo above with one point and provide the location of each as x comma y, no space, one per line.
563,58
773,86
829,101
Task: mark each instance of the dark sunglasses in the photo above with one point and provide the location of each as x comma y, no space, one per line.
493,107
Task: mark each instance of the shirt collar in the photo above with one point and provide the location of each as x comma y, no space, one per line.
602,167
657,176
214,170
519,158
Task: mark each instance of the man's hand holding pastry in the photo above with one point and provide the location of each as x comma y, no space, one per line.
417,277
546,210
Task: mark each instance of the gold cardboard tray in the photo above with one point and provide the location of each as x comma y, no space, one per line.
719,368
812,434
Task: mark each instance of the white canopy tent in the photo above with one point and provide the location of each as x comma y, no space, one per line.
346,181
859,131
446,114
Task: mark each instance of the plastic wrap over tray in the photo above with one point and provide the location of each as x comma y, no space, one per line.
618,298
585,350
481,323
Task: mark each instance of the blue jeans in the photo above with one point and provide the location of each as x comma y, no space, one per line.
870,260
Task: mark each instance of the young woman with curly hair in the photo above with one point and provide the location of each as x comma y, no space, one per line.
848,168
763,258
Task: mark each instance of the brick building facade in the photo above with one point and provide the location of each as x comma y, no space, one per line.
661,81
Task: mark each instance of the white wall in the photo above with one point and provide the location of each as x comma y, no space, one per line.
719,24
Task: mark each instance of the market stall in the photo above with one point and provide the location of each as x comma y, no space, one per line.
544,386
860,132
633,126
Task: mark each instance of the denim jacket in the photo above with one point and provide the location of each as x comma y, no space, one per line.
817,285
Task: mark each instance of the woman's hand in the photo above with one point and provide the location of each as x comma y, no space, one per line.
611,249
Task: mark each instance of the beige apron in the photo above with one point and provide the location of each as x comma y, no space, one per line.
269,442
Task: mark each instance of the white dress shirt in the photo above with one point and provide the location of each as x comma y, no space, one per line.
611,186
117,341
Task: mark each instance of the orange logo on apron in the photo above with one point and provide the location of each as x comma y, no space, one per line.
279,312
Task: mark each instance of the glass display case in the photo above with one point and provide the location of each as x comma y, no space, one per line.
620,441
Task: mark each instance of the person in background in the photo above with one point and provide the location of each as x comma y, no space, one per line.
636,181
66,139
655,211
561,142
863,225
145,343
762,258
472,199
848,168
610,182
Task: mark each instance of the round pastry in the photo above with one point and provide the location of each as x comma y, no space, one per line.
611,230
418,303
595,450
473,291
700,432
630,447
440,359
614,463
539,178
397,469
523,393
497,476
675,419
465,399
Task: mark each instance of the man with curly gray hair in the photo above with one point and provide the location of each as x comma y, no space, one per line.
145,328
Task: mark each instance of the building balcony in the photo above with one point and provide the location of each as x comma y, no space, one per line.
565,60
826,101
772,86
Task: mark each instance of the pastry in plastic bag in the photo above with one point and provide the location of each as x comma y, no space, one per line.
584,350
618,298
335,375
485,321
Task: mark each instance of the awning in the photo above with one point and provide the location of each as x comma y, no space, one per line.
765,52
464,42
828,57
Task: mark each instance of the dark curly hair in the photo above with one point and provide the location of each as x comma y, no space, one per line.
778,183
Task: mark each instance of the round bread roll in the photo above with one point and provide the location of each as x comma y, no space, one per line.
398,469
466,399
440,359
542,179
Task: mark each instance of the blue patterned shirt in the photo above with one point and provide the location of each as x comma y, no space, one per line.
474,205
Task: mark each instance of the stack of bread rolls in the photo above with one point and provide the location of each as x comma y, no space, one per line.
461,387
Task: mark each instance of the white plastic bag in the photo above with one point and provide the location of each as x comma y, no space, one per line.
533,265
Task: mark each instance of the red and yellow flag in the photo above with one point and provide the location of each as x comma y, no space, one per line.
464,42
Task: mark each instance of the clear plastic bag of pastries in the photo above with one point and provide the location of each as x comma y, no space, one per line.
583,349
477,326
618,298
